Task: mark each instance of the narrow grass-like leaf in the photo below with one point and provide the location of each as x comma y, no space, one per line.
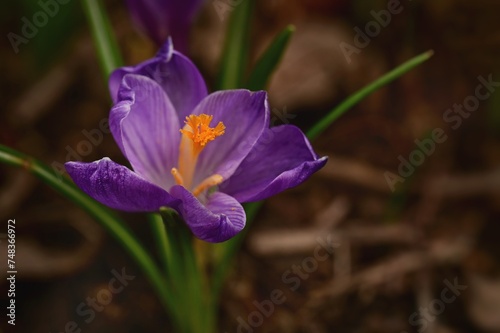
115,226
227,251
358,96
267,63
104,40
235,56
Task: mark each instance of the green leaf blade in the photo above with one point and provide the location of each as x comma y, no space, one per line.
268,62
235,56
104,39
106,218
361,94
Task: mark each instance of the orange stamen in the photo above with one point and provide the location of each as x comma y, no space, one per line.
207,183
177,176
199,131
196,134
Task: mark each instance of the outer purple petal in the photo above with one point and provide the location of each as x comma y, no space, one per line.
282,159
220,219
116,115
118,187
146,127
159,18
245,115
175,73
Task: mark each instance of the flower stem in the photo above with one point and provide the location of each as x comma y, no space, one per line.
103,216
184,276
160,235
228,250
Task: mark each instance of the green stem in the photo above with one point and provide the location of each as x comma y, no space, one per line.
228,250
358,96
172,263
185,276
106,218
104,40
236,47
160,235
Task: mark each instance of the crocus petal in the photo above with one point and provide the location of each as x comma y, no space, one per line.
116,115
175,73
221,218
245,115
146,127
283,158
118,187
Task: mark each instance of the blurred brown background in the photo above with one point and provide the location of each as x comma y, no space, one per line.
422,258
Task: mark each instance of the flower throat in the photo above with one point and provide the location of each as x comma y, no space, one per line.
196,134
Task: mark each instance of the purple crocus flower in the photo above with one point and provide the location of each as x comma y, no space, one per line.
161,18
198,153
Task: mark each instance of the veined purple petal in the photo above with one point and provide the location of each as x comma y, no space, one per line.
175,73
117,113
118,187
146,127
283,158
245,115
220,219
160,18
